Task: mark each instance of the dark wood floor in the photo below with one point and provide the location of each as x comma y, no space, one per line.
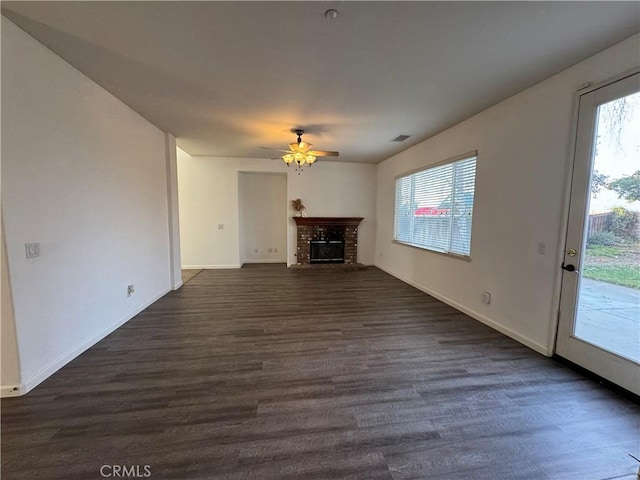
189,274
268,373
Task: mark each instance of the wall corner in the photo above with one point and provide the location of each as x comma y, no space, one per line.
10,374
172,212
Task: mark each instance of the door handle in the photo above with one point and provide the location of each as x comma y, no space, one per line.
569,268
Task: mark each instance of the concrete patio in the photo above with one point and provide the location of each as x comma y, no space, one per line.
609,317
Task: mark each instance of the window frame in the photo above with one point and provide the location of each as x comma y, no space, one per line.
457,158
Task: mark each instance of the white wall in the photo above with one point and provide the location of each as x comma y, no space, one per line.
524,146
263,215
208,192
85,176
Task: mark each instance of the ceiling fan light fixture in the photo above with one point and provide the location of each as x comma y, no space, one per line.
299,158
303,146
288,158
300,146
300,153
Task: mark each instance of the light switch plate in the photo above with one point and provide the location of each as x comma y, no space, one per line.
542,248
486,297
32,249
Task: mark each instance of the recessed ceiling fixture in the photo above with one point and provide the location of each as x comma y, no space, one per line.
300,153
331,14
400,138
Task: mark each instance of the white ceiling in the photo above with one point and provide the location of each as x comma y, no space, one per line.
228,77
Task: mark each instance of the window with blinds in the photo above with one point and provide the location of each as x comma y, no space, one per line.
434,207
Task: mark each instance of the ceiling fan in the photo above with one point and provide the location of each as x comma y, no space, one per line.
300,152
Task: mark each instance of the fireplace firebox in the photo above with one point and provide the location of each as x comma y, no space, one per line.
326,251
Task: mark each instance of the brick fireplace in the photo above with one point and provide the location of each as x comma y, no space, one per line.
327,240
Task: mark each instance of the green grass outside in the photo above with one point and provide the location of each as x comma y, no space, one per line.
604,251
627,276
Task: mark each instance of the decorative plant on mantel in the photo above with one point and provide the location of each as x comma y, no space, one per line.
301,210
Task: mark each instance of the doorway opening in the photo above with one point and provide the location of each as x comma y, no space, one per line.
262,211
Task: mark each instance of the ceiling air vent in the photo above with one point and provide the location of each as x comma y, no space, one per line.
401,138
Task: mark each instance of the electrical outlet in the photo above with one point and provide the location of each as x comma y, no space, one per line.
221,226
271,250
130,290
255,250
32,249
275,250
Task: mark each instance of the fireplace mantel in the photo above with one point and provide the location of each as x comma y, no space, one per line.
327,221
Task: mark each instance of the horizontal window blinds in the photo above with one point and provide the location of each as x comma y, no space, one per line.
434,207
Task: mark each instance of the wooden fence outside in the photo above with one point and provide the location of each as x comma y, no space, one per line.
598,223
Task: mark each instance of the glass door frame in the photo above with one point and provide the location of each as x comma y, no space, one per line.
608,365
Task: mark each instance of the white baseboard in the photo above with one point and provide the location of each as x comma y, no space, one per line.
53,367
7,391
473,314
209,267
267,260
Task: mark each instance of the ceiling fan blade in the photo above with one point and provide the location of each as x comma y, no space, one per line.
323,153
276,150
301,148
